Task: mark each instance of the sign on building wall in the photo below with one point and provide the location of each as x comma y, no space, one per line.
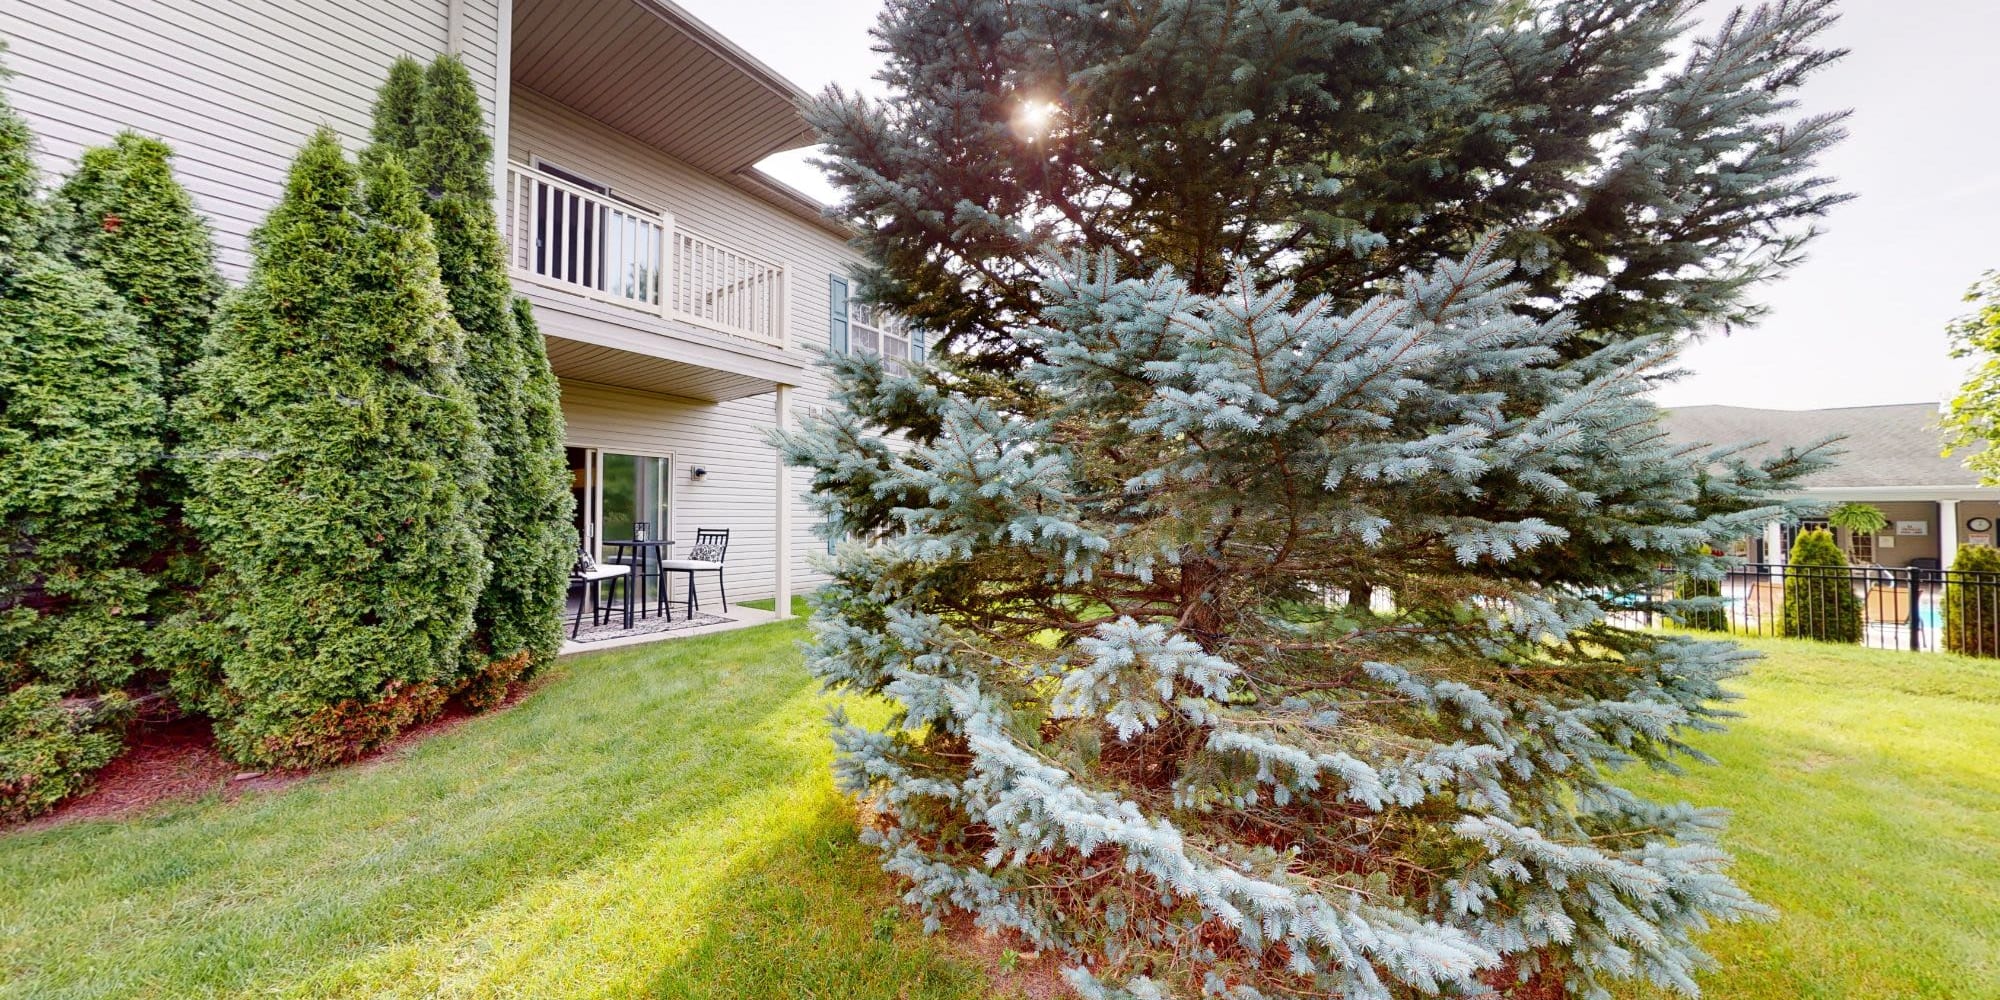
1913,527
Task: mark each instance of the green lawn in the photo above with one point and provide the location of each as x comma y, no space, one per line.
1866,791
659,821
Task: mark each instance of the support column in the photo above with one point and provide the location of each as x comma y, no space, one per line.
503,98
1774,542
1947,532
781,415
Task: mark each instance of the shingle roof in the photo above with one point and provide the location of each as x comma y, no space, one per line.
1883,445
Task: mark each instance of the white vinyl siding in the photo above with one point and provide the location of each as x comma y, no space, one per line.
706,204
234,86
728,439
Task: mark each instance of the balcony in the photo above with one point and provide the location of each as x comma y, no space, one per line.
590,243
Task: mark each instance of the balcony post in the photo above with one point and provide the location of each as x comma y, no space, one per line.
784,307
666,265
782,575
503,99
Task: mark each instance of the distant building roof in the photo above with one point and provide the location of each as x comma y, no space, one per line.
1882,446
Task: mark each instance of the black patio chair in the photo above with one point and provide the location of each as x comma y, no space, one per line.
711,546
587,577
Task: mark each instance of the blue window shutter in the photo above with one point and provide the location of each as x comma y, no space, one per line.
837,314
917,348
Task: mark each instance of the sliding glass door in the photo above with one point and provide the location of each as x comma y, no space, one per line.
635,497
621,497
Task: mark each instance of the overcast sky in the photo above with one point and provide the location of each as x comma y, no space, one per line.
1861,322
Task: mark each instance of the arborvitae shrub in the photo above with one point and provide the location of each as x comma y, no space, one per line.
395,122
1972,603
79,423
331,451
1707,619
50,746
1820,602
540,490
136,226
80,416
433,118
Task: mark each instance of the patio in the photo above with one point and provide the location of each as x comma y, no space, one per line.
613,634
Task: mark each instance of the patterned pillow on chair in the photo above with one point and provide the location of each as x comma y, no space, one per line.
585,565
706,553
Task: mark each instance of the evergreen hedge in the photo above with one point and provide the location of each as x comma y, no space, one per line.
539,493
1972,605
433,118
371,431
335,460
80,413
51,745
1819,601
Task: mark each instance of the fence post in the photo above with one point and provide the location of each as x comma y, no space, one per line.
1916,613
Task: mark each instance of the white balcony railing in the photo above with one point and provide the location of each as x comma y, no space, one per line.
591,243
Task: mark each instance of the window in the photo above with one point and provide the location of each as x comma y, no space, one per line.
571,176
878,331
1861,546
865,329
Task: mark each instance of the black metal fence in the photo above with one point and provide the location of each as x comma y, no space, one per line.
1875,606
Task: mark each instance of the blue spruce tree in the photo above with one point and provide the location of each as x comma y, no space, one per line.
1139,726
1249,312
1650,177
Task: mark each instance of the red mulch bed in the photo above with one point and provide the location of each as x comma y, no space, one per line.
164,761
176,760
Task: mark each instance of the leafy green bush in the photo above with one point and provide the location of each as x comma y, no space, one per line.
1972,605
433,118
130,222
50,746
1820,602
335,463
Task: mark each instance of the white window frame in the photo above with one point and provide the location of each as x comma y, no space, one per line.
878,332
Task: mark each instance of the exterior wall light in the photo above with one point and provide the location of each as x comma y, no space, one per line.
697,473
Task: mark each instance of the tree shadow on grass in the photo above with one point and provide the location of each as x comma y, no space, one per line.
811,916
764,894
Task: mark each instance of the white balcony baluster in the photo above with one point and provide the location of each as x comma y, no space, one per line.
583,241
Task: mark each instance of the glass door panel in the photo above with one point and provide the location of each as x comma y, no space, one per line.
635,494
633,502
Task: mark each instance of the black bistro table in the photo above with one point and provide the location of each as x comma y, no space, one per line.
645,556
